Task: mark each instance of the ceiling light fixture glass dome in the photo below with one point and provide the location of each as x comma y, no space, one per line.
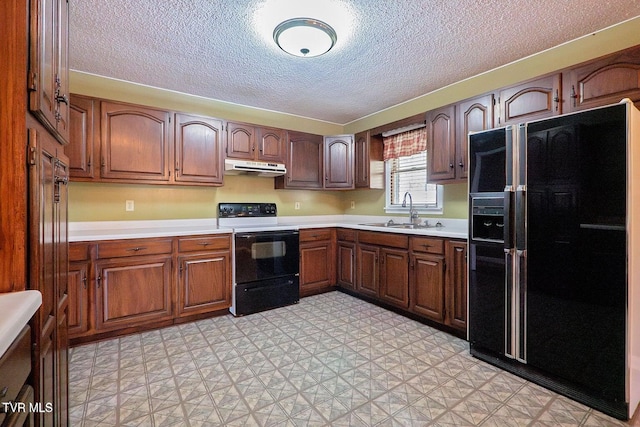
305,37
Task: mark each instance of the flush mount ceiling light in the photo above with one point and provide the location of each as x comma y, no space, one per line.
305,37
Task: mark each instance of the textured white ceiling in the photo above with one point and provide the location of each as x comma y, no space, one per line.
397,50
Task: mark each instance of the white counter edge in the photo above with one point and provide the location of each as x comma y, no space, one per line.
17,309
115,230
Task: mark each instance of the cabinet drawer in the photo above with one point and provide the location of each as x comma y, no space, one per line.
427,244
79,251
391,240
192,244
346,235
315,234
126,248
15,366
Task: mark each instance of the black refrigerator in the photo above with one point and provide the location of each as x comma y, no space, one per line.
552,234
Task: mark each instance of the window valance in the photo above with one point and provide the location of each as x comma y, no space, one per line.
405,144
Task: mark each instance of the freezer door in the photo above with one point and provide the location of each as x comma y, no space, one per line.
488,297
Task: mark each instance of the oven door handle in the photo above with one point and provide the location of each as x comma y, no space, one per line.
271,234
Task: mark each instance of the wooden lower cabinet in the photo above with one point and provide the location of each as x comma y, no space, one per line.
132,290
394,276
346,265
456,289
346,258
427,285
367,273
438,280
117,286
422,275
382,267
317,260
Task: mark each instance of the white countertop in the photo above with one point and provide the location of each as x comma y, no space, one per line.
113,230
17,309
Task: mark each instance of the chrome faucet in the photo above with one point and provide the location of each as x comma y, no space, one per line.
413,214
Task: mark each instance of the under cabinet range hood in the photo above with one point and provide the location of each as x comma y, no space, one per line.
249,167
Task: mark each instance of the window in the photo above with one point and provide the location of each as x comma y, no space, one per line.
409,173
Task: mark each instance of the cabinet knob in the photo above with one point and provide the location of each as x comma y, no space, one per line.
450,165
461,164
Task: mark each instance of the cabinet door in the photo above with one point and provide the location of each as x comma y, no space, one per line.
347,265
81,138
532,100
441,144
241,141
361,150
45,387
602,82
204,282
78,298
198,149
134,142
43,226
43,70
62,367
316,264
120,283
272,144
338,161
427,285
394,276
367,273
304,162
48,62
472,115
62,81
456,287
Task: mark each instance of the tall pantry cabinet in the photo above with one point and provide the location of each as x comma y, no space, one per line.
34,120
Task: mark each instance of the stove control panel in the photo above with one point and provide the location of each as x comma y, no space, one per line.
235,210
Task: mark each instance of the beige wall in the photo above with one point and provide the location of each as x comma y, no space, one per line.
95,202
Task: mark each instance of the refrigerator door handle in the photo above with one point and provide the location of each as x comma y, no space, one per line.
520,305
510,338
520,218
508,223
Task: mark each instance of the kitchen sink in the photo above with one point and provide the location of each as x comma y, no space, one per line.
403,225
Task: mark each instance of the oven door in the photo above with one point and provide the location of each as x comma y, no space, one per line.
266,255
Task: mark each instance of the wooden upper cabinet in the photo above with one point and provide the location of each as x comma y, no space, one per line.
369,166
81,151
241,141
532,100
134,142
48,79
199,156
304,162
361,152
338,161
472,115
250,142
272,144
441,152
604,81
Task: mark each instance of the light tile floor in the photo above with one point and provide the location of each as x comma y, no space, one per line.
331,360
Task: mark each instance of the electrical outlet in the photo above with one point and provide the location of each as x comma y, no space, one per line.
296,206
353,204
129,206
